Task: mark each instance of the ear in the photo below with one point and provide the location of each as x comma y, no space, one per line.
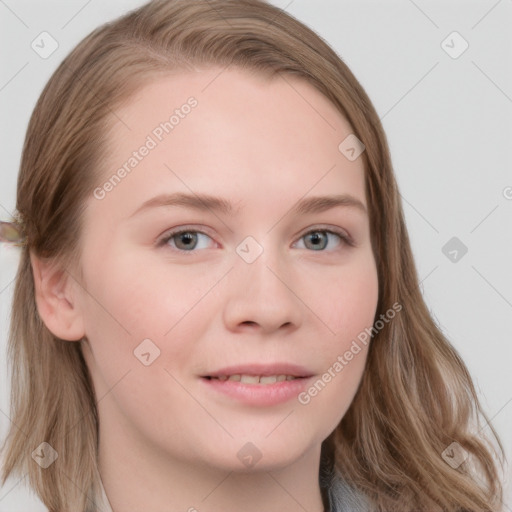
57,299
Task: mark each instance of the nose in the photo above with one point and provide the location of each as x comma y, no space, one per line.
262,296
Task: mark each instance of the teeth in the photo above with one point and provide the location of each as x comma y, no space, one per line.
250,379
256,379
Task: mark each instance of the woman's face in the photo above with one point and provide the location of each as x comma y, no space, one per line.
262,278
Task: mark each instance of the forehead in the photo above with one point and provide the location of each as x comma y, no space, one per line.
232,133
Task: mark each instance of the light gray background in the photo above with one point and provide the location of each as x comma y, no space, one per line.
449,126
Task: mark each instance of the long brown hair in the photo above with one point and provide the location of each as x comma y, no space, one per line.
416,396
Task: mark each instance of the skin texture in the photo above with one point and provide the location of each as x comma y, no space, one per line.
167,442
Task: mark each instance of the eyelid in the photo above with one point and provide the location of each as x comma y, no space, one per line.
342,233
167,235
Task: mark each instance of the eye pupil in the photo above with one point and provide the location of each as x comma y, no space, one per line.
317,236
188,238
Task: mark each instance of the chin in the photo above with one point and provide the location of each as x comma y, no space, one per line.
251,455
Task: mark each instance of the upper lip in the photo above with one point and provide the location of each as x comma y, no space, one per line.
263,370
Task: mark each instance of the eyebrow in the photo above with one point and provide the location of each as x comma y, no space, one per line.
203,202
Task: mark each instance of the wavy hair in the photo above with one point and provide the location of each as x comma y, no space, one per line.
416,396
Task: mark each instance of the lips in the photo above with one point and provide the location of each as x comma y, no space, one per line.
255,379
260,373
257,385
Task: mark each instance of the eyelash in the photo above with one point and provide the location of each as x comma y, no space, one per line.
345,238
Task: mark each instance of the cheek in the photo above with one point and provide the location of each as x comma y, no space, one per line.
128,305
344,299
329,396
134,298
347,309
131,301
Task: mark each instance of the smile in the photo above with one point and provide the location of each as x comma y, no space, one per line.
254,379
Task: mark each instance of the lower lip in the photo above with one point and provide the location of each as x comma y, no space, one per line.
259,394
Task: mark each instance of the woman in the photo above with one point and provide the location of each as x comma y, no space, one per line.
255,371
